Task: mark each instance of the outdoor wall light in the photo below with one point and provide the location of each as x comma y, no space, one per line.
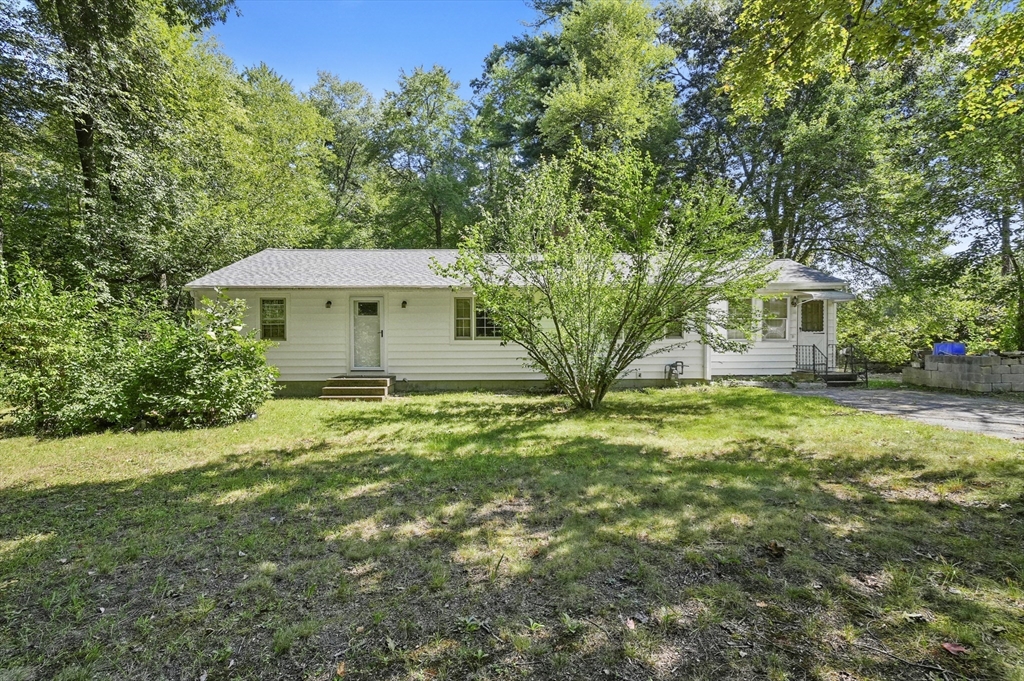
328,306
404,304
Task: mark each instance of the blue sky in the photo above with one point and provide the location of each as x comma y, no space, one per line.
370,40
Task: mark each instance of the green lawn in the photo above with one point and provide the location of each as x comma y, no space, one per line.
704,533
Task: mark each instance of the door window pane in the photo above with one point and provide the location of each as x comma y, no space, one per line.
812,316
368,309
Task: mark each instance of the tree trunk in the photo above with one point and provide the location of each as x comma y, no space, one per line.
436,213
84,123
1006,244
85,136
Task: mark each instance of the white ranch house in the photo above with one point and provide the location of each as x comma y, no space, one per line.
365,314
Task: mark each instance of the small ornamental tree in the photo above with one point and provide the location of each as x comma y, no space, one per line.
590,263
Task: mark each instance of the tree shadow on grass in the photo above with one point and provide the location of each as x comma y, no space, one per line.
457,539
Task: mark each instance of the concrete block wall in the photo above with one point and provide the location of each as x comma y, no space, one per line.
983,374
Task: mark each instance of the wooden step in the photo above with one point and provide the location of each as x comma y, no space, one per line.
356,390
842,380
359,382
354,398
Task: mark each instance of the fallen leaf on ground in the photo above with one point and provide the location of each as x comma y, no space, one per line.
955,649
340,671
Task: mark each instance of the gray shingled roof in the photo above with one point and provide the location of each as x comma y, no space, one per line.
792,273
338,268
295,268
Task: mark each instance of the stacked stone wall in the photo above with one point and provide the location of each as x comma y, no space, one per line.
977,373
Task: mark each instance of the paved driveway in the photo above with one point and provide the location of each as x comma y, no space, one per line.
1001,418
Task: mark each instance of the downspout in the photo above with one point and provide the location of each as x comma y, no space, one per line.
706,368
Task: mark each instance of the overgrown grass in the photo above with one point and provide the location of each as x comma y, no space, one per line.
686,533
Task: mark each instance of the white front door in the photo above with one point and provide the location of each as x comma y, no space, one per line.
367,333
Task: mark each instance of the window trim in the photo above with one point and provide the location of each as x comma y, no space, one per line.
788,317
259,320
472,321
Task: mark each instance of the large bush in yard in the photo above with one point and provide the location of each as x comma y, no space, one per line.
77,361
592,262
204,372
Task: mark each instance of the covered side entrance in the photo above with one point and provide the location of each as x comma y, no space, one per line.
817,351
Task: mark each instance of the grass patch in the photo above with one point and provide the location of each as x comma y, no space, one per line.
672,534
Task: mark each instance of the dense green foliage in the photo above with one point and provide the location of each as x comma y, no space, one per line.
75,361
135,156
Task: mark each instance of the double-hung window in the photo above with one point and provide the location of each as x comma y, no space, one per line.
775,318
473,321
674,329
272,319
741,312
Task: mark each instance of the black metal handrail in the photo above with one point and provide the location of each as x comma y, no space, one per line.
811,358
850,360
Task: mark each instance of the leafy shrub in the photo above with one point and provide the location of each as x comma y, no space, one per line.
203,373
76,361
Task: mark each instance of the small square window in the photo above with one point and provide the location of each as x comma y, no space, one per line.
272,319
473,322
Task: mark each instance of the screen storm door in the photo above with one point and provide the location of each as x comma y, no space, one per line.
367,333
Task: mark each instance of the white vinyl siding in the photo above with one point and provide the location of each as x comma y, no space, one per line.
420,344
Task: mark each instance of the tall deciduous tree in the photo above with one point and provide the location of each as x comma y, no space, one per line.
348,168
613,90
822,178
422,140
598,78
